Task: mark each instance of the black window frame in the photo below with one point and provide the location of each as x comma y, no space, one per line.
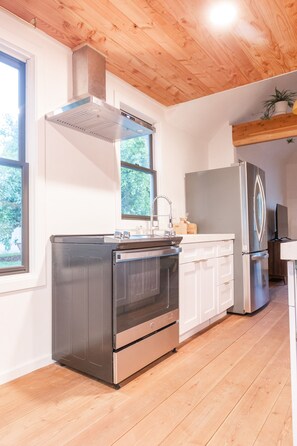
149,170
20,164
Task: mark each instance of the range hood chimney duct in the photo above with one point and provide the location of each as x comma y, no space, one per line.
88,72
88,112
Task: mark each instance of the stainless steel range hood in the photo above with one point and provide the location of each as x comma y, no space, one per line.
88,112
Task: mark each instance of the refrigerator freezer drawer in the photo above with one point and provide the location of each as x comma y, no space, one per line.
255,280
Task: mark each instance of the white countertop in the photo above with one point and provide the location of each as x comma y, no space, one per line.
289,251
196,238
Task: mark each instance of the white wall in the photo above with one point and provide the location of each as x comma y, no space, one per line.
25,304
75,188
220,148
291,176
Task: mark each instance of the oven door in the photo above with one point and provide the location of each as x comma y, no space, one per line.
145,292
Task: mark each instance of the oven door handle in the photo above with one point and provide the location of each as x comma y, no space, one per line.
130,255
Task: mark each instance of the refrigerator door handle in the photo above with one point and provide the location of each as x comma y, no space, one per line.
259,257
260,228
264,209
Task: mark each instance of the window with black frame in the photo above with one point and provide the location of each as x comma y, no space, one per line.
138,178
14,250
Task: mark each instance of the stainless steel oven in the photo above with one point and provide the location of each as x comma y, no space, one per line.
115,302
145,306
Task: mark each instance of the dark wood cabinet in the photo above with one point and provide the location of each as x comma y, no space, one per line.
277,268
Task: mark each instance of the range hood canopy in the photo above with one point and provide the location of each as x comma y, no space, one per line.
88,112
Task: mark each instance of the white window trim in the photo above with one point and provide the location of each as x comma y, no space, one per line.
120,99
122,223
35,156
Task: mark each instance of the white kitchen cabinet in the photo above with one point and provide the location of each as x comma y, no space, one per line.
198,288
206,284
189,285
225,295
193,252
225,248
208,289
225,269
289,252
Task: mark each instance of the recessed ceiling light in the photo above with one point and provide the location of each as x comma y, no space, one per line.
223,13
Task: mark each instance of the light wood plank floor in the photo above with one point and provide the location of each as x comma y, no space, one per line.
227,386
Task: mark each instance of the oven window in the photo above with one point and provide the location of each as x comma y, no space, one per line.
144,289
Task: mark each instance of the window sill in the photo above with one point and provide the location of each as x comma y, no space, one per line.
18,282
135,217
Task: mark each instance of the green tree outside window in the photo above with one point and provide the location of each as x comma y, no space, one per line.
137,177
13,168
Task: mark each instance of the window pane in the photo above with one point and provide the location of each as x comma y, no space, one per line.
10,216
9,94
137,190
136,151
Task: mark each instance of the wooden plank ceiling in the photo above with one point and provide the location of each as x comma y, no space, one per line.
167,48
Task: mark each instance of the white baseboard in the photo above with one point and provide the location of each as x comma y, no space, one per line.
217,317
202,326
193,331
25,368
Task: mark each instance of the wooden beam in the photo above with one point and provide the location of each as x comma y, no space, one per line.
278,127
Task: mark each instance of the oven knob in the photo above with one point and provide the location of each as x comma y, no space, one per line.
152,325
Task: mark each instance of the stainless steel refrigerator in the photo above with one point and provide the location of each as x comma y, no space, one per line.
232,200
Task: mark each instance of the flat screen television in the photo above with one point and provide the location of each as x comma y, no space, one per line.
281,217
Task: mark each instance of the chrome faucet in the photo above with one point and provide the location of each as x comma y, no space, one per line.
170,225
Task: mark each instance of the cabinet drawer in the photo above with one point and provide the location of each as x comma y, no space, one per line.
198,251
225,296
225,248
225,269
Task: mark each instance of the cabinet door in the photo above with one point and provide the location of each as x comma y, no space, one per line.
189,292
208,282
